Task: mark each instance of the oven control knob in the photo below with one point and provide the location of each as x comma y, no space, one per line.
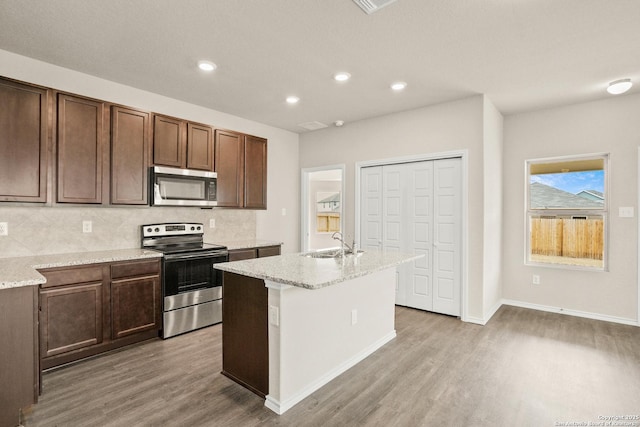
157,230
149,230
193,228
199,228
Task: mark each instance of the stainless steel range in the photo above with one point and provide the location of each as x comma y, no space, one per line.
191,288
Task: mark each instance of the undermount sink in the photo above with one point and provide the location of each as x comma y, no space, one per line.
331,253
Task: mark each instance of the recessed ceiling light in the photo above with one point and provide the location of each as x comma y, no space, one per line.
398,85
207,65
342,76
619,86
339,123
292,99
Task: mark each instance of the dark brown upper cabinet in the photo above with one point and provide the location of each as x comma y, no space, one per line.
241,165
255,172
182,144
129,156
169,141
199,147
24,135
82,144
229,165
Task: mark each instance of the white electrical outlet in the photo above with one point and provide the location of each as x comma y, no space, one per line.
4,228
354,317
535,279
87,226
212,223
274,315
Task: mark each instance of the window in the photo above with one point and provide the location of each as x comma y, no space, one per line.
567,208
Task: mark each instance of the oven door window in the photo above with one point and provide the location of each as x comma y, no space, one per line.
181,188
190,274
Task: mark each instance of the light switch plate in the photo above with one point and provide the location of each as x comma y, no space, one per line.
626,212
212,223
4,228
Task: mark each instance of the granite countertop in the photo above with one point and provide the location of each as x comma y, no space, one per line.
315,273
246,244
22,271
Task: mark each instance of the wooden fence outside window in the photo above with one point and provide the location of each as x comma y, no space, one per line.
567,237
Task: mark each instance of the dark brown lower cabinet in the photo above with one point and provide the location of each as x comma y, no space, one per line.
87,310
266,251
70,318
245,333
135,305
18,353
249,253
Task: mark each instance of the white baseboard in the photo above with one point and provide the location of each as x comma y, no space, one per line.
281,407
569,312
476,320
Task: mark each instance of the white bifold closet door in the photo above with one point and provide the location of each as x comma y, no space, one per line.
416,208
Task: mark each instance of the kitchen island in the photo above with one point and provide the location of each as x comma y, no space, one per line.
292,323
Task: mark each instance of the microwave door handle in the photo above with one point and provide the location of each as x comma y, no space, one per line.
156,190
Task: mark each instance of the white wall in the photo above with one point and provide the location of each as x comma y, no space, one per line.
283,170
613,126
492,252
445,127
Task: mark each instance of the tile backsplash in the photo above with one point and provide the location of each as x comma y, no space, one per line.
48,230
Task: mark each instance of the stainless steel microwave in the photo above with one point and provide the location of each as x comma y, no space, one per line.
182,187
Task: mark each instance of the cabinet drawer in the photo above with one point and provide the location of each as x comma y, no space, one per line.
138,268
72,275
240,254
268,251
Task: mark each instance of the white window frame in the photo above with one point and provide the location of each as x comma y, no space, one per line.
603,212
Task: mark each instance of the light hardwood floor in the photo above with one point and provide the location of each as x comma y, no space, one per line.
524,368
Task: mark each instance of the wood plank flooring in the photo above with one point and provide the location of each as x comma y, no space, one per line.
524,368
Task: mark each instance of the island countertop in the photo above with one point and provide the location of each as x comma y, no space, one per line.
315,273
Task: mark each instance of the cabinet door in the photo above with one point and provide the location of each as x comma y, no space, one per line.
23,142
70,318
255,172
229,162
199,147
168,142
80,149
135,305
129,156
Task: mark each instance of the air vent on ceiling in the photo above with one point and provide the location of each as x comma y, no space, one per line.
370,6
312,125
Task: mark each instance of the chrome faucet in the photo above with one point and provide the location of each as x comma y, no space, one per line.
341,239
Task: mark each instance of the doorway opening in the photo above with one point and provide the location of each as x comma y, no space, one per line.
322,206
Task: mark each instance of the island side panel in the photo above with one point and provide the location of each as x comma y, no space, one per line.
245,340
316,341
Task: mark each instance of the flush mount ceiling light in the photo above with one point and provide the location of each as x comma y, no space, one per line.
370,6
619,86
398,86
342,76
207,65
292,99
338,123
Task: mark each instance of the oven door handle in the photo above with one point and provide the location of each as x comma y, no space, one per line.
213,255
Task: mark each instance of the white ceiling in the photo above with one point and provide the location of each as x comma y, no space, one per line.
523,54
